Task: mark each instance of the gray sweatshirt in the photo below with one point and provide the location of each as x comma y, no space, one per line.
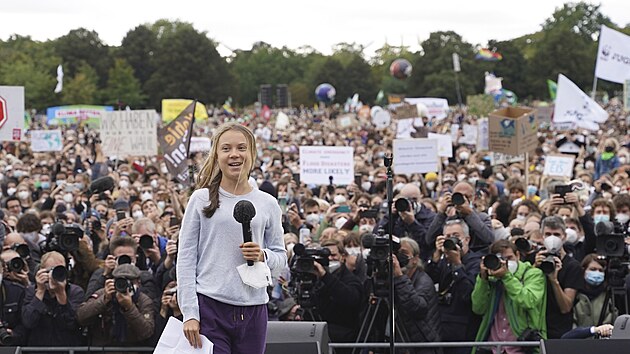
209,250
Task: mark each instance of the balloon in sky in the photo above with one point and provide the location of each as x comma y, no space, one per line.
325,92
400,69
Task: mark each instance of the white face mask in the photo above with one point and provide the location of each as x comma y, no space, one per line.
68,197
290,247
124,184
364,229
572,236
461,177
365,253
23,195
45,229
430,185
353,251
146,196
312,219
333,266
161,204
399,186
339,199
473,180
622,218
589,165
512,266
154,183
464,155
622,160
366,185
137,214
521,217
11,191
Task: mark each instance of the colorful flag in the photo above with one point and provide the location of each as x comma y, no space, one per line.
174,139
553,89
488,55
574,106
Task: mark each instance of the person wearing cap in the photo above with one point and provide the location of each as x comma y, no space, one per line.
49,310
119,314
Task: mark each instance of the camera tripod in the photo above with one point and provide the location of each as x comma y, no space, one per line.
309,314
379,308
613,292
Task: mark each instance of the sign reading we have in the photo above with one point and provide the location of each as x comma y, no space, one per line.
129,133
318,163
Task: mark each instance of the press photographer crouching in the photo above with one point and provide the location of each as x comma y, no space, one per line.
12,331
510,295
326,290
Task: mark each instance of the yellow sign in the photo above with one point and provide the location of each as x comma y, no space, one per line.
172,107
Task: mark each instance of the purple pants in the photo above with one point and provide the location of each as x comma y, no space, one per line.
233,329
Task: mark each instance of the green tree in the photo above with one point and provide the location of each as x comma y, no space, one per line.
330,72
512,68
138,49
82,46
82,88
122,86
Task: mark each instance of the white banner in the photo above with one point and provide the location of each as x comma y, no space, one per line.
444,145
11,113
613,56
470,135
560,166
573,105
436,107
46,140
200,144
318,163
415,156
129,133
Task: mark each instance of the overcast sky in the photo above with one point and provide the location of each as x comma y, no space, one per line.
237,24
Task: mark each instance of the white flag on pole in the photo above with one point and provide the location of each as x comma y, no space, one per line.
574,106
59,86
613,56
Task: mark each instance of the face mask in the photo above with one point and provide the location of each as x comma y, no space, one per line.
45,185
589,165
154,183
68,197
593,277
521,217
353,251
124,184
340,222
622,218
572,236
79,186
430,185
512,266
365,253
608,149
531,190
23,195
45,229
161,204
463,155
18,173
622,160
366,185
11,191
146,196
137,214
60,182
399,186
553,243
333,266
616,189
461,177
365,229
312,219
473,180
601,217
339,199
290,247
164,170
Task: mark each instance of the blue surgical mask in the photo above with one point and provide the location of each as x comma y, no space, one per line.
45,184
594,277
601,217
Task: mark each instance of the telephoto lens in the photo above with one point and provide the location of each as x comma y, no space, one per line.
402,204
458,199
59,273
451,243
15,265
492,262
146,241
523,245
124,259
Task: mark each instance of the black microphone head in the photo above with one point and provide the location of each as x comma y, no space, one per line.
102,184
58,229
244,211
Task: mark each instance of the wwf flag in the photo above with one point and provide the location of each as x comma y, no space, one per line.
174,140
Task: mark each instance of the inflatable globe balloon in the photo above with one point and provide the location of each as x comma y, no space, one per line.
325,92
400,69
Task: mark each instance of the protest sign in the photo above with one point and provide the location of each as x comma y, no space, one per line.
482,134
415,156
435,107
406,111
470,135
318,163
613,56
544,114
172,107
347,121
11,113
129,133
46,140
503,159
559,166
77,114
513,130
444,144
200,144
573,105
174,142
406,128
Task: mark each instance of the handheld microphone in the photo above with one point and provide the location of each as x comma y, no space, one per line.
244,212
101,185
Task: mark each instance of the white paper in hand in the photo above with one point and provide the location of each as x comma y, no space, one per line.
257,276
173,341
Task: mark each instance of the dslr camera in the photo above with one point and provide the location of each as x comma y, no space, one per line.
63,239
405,204
6,339
15,265
493,261
123,285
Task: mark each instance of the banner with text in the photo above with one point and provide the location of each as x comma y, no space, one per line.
415,156
11,113
436,107
613,56
172,107
174,140
319,163
67,115
129,133
46,140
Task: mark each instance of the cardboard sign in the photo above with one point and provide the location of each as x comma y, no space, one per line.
11,113
512,130
129,133
436,108
415,156
318,163
200,144
502,159
559,166
46,140
444,144
406,111
346,121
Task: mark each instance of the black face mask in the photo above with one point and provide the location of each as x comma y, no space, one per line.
610,149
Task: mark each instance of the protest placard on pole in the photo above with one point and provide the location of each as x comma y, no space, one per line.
129,133
415,156
559,166
46,140
444,144
318,163
11,113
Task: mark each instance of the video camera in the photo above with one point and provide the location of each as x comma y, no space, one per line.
63,239
304,275
377,265
611,245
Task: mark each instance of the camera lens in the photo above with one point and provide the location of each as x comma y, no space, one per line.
60,274
22,250
124,259
16,265
523,245
402,204
450,244
458,199
69,242
548,265
492,262
146,241
121,285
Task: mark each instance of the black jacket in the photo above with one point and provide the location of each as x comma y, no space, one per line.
480,225
417,305
50,323
416,230
148,286
12,302
338,302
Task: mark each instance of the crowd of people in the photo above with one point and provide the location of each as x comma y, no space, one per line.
485,254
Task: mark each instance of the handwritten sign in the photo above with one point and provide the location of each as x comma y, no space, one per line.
46,140
559,166
129,133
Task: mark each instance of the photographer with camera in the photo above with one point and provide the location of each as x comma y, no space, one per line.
510,295
459,204
454,268
416,300
152,246
49,310
411,218
119,314
12,331
563,277
19,271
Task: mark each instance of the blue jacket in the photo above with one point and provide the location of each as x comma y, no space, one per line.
604,166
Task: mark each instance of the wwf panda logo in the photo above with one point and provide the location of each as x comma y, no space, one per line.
605,52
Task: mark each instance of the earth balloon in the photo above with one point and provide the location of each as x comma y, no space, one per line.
325,92
400,69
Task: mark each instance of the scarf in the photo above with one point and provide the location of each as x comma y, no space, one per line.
607,155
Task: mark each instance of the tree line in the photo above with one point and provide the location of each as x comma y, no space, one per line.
172,59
